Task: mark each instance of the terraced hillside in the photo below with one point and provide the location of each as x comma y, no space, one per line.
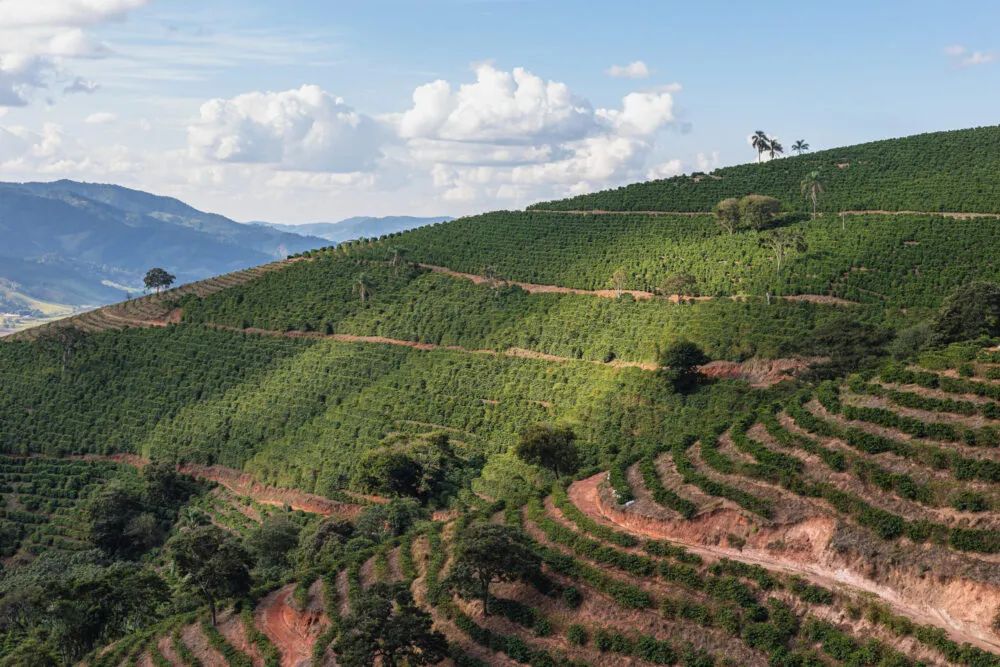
661,447
925,172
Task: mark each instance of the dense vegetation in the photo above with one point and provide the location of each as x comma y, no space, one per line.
926,172
526,473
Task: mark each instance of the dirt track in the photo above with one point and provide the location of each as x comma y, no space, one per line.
585,495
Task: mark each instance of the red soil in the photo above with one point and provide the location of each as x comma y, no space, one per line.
292,630
962,607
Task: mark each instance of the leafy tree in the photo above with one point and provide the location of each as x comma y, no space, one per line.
800,146
272,541
971,311
760,142
682,284
680,364
212,562
812,188
727,215
387,627
117,524
758,211
549,446
425,469
158,279
486,553
381,522
782,242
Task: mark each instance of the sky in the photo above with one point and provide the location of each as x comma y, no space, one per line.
302,111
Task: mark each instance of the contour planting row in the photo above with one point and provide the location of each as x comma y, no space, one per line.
901,260
323,296
594,540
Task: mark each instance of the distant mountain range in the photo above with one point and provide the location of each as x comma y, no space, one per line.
357,227
66,245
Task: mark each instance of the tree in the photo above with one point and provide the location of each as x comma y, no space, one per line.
386,626
363,288
423,468
760,143
65,340
681,284
617,281
800,146
727,215
212,562
782,242
775,148
680,364
158,279
271,542
486,553
758,211
548,446
971,311
117,524
812,188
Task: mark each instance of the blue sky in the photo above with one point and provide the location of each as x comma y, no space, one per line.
300,110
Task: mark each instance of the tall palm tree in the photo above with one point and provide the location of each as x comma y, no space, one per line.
799,146
761,143
363,288
812,188
775,148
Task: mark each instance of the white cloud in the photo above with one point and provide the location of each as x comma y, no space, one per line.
38,38
963,57
513,136
708,162
665,170
101,118
500,107
634,70
306,129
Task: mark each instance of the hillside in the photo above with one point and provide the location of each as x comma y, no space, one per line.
683,448
938,171
83,244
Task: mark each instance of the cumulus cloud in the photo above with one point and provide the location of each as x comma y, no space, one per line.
514,136
634,70
963,57
38,38
101,118
306,129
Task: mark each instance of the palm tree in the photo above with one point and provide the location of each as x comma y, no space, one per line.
760,142
775,148
799,146
363,288
812,188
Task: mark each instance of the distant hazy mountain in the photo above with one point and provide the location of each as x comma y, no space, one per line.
85,244
357,227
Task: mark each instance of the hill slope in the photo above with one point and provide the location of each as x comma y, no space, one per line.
807,500
938,171
85,244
